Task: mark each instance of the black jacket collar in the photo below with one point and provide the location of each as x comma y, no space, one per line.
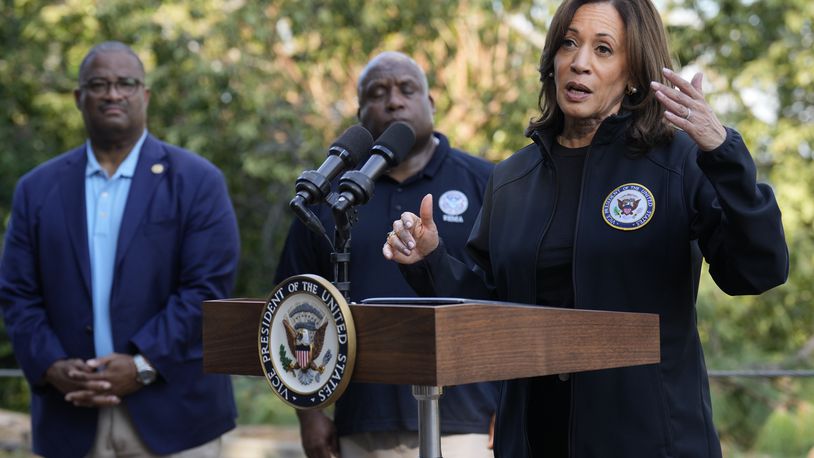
611,129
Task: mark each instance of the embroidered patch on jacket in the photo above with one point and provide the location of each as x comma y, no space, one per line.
453,203
629,207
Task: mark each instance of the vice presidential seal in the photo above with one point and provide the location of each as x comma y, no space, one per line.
629,207
307,342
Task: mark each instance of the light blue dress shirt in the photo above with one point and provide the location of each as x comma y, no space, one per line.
105,199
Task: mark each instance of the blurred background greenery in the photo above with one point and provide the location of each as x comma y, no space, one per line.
261,87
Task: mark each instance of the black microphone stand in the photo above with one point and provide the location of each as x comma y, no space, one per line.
340,257
356,189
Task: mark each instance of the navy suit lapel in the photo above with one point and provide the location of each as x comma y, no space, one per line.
145,180
72,187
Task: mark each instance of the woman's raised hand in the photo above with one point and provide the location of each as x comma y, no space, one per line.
413,236
686,108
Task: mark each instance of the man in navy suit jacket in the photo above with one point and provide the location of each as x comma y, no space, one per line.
110,250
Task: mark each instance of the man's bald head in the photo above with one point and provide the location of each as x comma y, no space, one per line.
387,58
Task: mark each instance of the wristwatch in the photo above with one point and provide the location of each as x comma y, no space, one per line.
145,373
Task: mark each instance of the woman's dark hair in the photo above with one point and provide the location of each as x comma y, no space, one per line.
647,54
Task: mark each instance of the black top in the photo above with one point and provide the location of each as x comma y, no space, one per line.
456,181
554,284
550,397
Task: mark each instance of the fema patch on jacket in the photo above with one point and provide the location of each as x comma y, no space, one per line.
453,204
629,207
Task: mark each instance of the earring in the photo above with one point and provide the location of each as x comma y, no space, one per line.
550,74
631,90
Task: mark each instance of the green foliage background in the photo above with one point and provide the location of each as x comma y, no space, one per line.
260,88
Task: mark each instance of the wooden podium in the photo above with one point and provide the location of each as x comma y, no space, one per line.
432,346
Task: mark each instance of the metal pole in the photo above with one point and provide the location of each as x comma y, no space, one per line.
429,420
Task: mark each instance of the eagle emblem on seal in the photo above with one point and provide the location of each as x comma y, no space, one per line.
628,204
305,330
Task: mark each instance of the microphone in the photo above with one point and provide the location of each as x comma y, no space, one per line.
348,150
389,150
313,185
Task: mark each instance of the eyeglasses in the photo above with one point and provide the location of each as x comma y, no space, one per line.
100,86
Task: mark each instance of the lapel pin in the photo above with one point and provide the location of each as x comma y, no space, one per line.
157,168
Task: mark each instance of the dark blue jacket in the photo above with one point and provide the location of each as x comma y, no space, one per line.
178,246
704,204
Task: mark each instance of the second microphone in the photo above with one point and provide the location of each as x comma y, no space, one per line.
392,146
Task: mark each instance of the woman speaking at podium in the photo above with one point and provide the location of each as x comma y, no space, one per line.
630,180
